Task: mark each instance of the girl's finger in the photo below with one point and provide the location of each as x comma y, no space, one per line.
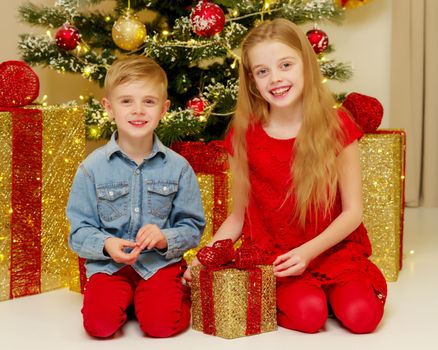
284,265
280,258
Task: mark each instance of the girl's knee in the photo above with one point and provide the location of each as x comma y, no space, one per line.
357,307
361,316
307,313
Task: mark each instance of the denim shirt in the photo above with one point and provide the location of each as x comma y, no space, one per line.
112,196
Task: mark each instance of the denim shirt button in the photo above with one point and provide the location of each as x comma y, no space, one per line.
111,193
137,172
137,210
164,188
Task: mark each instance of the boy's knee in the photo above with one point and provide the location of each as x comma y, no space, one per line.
163,328
103,323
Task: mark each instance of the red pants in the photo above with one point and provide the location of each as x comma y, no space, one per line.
161,303
303,306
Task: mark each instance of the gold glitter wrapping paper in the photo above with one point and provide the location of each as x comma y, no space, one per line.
206,186
5,202
62,151
230,293
382,162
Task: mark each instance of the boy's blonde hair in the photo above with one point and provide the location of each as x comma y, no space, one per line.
135,68
314,170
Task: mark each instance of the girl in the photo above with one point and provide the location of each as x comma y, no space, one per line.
297,185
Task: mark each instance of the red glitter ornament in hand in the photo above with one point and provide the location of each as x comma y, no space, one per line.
367,111
19,84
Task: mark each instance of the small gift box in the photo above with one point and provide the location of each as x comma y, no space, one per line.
232,299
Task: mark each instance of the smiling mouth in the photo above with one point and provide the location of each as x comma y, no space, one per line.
280,91
138,122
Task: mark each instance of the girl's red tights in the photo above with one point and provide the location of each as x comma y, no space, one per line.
303,306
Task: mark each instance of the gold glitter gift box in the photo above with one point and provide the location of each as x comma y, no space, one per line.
230,302
382,156
41,149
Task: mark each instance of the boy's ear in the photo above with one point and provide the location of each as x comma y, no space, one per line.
166,106
108,108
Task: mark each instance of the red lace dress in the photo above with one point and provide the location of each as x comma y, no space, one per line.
268,221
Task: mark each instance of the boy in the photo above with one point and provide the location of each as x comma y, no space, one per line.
134,209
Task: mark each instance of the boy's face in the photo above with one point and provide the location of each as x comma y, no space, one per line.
136,107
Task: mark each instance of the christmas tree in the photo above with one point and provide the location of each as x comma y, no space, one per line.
196,42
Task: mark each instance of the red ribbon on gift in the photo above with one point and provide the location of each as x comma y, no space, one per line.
19,86
222,256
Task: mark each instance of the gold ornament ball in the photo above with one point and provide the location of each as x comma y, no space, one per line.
128,32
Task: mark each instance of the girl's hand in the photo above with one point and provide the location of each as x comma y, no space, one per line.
187,277
150,236
115,248
292,263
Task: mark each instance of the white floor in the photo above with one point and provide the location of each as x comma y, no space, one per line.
52,321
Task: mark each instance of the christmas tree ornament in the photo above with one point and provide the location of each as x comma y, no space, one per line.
67,37
128,31
198,104
207,19
367,111
351,4
318,39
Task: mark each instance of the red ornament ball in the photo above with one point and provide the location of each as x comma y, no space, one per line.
318,39
19,84
367,111
207,19
67,37
197,104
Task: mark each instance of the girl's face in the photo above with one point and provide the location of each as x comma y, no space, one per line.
277,70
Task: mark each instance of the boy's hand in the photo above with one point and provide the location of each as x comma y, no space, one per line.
115,247
150,236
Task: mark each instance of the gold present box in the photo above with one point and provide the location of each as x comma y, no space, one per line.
382,156
41,149
230,302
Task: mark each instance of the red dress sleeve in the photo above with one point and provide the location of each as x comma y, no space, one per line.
228,142
351,130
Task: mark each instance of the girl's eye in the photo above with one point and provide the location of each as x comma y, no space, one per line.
286,65
150,102
126,101
261,72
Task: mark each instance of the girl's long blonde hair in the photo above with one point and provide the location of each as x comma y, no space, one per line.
314,172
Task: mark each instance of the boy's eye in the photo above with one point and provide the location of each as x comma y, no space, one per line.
125,100
150,102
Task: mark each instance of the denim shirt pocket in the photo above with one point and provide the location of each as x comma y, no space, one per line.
160,197
112,200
